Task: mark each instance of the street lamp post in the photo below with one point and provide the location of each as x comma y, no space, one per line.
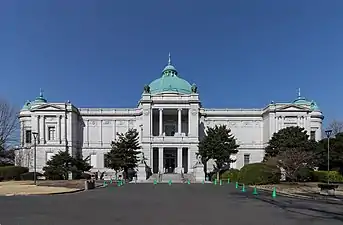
35,136
328,134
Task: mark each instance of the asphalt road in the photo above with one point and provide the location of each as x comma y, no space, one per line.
179,204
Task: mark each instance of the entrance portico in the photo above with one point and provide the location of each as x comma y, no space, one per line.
170,160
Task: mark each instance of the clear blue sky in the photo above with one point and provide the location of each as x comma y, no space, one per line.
241,53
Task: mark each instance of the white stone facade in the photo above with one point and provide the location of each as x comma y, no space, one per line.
170,120
166,123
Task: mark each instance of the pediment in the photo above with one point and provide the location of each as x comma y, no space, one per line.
293,107
47,107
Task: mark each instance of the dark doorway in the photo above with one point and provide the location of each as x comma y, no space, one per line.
169,160
185,160
155,160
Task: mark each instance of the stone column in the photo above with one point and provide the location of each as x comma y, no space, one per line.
22,133
179,121
87,132
161,122
101,141
59,137
42,133
189,122
160,160
179,160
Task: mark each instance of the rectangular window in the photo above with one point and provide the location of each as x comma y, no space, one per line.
246,159
28,137
313,135
51,133
93,161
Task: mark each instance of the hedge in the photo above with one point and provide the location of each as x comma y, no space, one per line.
12,172
322,176
231,173
258,174
30,175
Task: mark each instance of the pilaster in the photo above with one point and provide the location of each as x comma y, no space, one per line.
160,160
161,122
179,111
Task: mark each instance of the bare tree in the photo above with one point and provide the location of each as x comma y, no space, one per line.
293,159
8,125
336,127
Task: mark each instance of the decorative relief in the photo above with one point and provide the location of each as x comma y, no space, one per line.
49,118
92,122
106,122
291,119
146,112
120,122
194,112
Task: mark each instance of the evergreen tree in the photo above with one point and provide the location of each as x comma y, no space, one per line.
59,166
124,152
80,165
218,144
336,153
289,138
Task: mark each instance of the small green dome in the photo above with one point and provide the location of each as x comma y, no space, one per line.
170,82
40,99
27,105
303,101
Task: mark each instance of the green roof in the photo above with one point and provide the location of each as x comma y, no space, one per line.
170,82
300,100
39,100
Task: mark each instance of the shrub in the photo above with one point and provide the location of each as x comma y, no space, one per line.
29,175
259,173
305,175
231,173
12,172
322,176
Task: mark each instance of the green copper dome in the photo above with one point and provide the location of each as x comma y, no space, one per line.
303,101
39,100
27,105
170,82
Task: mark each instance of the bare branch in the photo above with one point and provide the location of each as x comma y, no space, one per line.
336,127
9,124
293,159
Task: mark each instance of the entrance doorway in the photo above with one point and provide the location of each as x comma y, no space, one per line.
169,157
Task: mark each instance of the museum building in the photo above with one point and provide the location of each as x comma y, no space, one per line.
170,120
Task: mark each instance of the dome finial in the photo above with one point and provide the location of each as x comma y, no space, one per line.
299,93
169,59
41,93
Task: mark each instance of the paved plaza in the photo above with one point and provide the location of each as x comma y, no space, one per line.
179,204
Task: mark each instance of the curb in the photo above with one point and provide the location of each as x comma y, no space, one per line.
302,197
45,194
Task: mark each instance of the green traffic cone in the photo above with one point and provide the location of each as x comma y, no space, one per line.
243,188
203,182
220,182
255,191
188,182
105,184
155,182
236,185
228,180
170,182
215,181
274,193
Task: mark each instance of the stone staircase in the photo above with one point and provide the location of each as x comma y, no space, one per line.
174,177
